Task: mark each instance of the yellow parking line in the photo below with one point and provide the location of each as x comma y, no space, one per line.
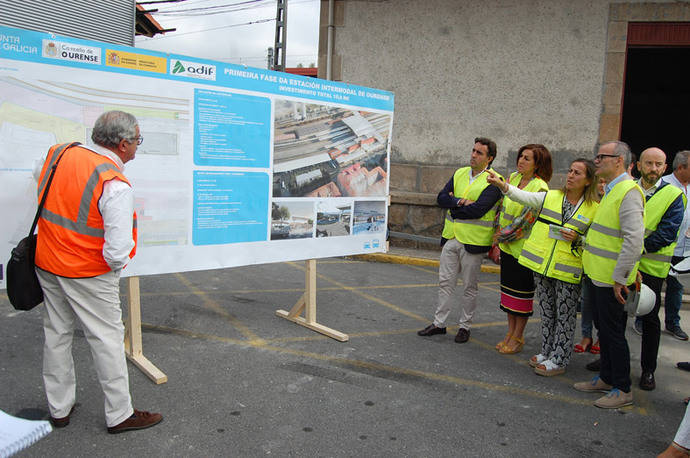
383,367
485,284
391,332
421,269
369,297
213,305
289,290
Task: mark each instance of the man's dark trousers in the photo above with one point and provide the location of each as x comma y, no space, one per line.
651,326
611,318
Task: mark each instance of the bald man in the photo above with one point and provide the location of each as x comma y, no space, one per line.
663,216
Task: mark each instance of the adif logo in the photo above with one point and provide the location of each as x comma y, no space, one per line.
193,70
178,68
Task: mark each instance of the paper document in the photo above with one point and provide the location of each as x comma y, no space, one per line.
17,433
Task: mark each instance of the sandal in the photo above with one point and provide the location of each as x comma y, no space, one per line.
595,349
548,369
503,342
536,360
510,348
579,348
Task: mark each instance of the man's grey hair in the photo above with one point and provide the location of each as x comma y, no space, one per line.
681,159
112,127
623,150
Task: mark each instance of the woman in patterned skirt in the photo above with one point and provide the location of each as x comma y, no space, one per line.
553,253
534,170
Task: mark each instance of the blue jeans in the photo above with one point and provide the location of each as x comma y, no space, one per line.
672,303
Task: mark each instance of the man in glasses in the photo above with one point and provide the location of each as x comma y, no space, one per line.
467,236
610,261
86,235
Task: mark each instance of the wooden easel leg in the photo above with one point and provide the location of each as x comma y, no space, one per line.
308,303
133,347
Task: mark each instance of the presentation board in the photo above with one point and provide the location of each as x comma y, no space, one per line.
238,165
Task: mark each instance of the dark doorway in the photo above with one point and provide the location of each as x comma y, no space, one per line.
656,100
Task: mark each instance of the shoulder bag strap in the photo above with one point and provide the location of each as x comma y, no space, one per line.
61,151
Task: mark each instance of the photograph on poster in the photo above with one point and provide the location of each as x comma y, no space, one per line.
292,220
327,151
369,217
332,218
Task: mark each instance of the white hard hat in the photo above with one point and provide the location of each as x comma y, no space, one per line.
681,268
641,300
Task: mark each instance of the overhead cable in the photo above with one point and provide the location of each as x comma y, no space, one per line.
212,28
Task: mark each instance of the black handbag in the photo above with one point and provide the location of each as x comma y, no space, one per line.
23,288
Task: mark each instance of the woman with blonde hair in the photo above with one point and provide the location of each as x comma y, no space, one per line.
553,253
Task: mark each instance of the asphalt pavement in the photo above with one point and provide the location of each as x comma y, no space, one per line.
245,382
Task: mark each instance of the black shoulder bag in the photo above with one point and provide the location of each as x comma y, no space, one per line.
23,288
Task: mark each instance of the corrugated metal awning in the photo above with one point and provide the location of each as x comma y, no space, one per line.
109,21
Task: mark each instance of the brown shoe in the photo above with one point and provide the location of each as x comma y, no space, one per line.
615,399
62,422
139,420
594,385
462,336
431,330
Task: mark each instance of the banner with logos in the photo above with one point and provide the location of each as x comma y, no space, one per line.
238,165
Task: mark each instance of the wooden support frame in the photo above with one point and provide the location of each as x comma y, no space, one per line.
308,303
133,347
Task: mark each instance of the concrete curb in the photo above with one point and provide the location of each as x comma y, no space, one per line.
413,261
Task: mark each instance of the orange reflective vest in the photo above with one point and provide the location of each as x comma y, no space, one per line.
70,229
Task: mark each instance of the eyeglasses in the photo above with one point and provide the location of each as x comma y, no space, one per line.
138,139
599,157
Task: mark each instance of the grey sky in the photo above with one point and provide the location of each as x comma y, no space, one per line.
241,44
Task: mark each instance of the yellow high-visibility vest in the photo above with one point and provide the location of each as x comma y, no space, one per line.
511,210
553,257
659,263
604,239
470,231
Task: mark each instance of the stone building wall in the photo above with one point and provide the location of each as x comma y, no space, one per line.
524,71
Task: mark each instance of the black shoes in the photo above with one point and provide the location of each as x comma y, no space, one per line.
647,382
462,336
594,366
431,330
61,422
684,366
637,327
677,332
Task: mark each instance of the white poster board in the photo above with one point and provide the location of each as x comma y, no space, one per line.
238,166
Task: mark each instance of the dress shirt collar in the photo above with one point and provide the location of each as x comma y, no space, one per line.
107,153
671,179
615,181
649,192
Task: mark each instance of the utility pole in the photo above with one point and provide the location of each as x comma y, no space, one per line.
280,42
269,64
